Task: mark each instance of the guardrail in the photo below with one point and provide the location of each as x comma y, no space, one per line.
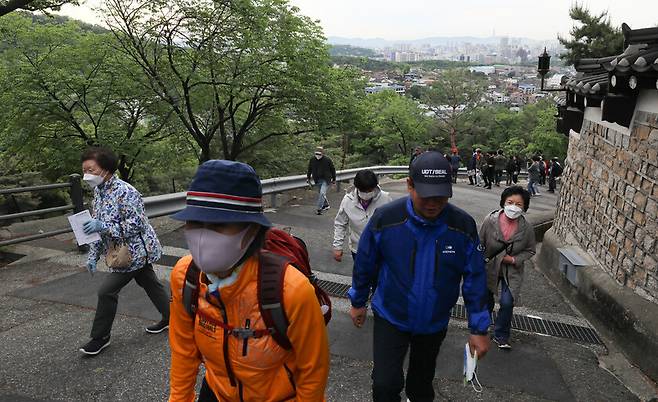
75,191
167,204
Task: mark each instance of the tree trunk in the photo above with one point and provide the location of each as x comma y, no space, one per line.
205,152
453,139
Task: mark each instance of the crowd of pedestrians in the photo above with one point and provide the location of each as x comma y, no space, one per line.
490,168
244,303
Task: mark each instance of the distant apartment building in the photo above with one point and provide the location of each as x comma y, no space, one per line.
376,87
404,57
527,89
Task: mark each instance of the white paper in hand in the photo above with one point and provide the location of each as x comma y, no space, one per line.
77,221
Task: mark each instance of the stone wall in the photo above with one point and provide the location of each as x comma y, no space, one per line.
609,198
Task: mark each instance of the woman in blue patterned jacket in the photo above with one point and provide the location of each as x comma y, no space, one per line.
119,217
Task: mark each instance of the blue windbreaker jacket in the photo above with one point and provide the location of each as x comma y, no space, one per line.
418,266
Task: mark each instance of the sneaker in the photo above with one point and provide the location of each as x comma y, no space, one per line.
502,344
157,328
318,212
95,346
326,207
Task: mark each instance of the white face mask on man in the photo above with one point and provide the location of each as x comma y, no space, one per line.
513,211
216,252
93,180
318,156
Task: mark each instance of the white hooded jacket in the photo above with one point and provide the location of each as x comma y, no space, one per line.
353,218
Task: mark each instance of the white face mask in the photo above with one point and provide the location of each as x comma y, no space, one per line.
366,196
318,156
92,180
216,252
513,211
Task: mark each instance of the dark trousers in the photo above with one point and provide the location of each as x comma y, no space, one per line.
206,394
499,176
108,297
390,347
551,183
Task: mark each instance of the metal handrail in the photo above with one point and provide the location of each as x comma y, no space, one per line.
167,204
7,191
37,212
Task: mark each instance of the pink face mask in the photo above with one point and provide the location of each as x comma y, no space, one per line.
216,252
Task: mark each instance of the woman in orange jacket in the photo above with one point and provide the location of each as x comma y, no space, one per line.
225,230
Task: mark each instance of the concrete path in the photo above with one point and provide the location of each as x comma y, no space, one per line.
47,306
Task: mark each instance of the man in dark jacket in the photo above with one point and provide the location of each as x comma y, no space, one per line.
418,250
322,170
490,172
500,162
554,171
455,162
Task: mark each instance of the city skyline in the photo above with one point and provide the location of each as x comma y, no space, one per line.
384,19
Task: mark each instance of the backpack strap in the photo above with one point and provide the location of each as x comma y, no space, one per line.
271,270
191,289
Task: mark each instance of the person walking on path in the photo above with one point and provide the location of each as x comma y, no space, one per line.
554,172
509,242
471,169
455,163
534,176
355,211
500,162
417,151
225,229
418,249
490,169
118,216
480,167
513,169
321,170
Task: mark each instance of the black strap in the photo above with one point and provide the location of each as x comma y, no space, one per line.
191,289
271,270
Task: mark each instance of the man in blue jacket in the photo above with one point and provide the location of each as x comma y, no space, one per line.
418,249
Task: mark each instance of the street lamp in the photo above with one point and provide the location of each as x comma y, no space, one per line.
543,67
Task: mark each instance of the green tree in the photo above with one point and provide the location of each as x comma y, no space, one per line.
7,6
392,126
592,36
65,88
234,73
455,95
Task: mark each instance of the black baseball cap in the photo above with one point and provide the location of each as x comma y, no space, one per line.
431,173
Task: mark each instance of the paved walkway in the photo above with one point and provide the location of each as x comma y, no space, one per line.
46,309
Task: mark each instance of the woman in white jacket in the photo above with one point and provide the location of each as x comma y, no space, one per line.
355,211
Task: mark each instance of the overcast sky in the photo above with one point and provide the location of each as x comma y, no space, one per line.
414,19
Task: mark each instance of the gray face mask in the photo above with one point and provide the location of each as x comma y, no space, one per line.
216,252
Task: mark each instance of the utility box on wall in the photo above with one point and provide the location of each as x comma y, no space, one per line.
570,262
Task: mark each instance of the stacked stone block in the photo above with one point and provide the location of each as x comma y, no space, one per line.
609,200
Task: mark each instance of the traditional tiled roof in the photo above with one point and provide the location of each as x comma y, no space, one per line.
612,82
640,57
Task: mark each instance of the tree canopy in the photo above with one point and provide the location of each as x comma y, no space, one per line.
7,6
592,36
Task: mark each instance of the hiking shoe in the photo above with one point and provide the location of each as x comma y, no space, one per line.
95,346
157,328
502,344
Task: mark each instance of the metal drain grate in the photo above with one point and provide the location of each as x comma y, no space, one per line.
334,289
519,322
544,327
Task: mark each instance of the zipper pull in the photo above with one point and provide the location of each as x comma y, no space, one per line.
244,342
